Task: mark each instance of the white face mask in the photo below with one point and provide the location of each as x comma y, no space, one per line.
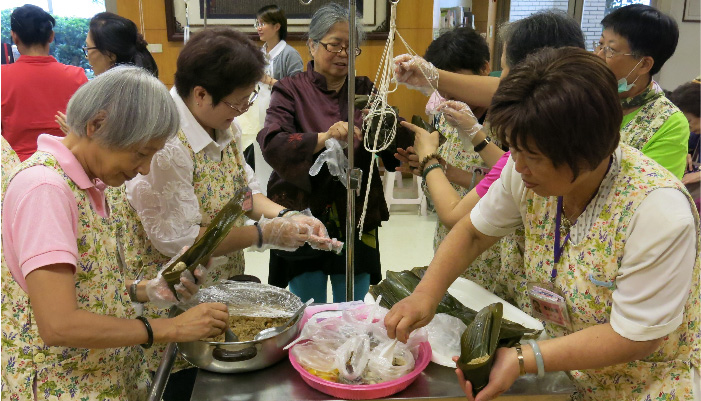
623,85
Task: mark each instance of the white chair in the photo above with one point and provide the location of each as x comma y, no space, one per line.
390,178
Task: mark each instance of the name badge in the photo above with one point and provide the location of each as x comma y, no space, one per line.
548,304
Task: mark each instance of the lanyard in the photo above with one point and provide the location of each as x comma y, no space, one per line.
558,247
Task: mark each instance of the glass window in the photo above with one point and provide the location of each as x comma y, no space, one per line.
523,8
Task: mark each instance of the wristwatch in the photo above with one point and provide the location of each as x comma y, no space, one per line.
132,290
480,146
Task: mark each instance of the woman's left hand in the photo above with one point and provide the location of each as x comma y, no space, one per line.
504,373
425,142
60,119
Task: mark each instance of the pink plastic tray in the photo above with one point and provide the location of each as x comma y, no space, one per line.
370,391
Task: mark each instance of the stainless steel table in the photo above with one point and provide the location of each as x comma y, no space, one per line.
281,382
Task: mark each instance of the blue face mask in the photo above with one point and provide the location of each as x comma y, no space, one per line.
623,85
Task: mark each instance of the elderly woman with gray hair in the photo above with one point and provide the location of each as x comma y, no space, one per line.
66,316
306,110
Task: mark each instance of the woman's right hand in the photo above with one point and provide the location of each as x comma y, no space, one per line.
339,131
60,119
416,73
202,321
409,314
284,233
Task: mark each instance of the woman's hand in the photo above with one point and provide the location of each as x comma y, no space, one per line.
416,73
201,321
340,131
460,116
159,293
425,143
690,178
410,161
284,233
60,119
504,373
409,314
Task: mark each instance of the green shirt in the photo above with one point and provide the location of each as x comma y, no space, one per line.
668,145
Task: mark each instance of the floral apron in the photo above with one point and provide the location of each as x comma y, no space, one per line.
479,271
215,183
666,373
72,373
647,122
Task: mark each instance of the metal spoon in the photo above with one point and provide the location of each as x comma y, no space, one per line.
230,336
273,331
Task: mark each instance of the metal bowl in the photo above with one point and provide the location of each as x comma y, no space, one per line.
233,357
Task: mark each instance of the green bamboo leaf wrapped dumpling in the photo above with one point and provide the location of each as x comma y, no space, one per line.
478,345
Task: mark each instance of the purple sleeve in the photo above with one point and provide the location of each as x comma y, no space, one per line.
492,175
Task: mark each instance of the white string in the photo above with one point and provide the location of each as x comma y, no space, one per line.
141,19
186,31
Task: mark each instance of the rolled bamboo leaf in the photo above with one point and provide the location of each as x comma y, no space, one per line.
361,101
421,123
399,285
478,345
202,249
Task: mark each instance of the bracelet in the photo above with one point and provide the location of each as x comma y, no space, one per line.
283,211
132,290
521,364
538,358
260,234
480,146
149,331
426,159
429,168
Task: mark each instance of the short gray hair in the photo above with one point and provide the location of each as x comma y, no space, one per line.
138,108
329,15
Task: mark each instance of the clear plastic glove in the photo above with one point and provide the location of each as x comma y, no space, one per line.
159,293
284,233
335,158
318,237
460,116
434,103
416,73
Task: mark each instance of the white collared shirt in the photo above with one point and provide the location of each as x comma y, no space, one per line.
165,199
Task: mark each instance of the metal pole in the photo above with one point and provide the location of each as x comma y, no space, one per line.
350,213
205,14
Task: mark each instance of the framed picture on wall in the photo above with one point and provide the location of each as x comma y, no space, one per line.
692,11
241,14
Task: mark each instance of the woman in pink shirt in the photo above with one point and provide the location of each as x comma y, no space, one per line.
69,328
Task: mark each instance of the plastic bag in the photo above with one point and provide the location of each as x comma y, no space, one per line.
248,299
335,158
354,348
444,333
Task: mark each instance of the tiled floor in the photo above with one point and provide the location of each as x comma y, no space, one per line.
406,241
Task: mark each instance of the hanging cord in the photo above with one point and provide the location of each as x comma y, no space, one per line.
379,107
186,31
141,19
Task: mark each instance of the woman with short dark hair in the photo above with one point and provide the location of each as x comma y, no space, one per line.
636,42
283,59
35,86
196,174
688,98
612,242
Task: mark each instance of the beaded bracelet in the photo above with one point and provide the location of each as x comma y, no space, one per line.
429,168
426,159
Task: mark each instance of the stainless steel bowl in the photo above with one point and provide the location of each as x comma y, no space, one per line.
233,357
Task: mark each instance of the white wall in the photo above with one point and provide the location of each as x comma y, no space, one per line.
685,64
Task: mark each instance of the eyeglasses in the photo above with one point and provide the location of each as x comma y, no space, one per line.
249,103
338,48
608,51
257,24
86,48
